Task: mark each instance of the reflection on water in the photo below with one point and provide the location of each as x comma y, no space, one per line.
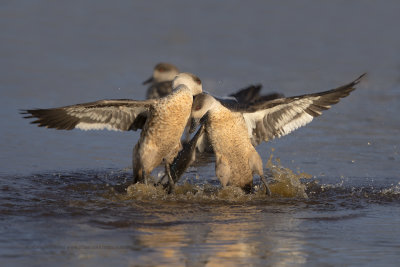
216,234
229,236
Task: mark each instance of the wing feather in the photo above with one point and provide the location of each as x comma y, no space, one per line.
117,115
279,117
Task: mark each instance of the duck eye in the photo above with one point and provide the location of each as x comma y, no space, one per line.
197,107
197,80
161,69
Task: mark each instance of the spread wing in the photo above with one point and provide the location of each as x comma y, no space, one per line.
122,115
279,117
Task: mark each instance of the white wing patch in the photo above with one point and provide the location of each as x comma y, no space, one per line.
116,119
302,120
293,116
95,126
279,120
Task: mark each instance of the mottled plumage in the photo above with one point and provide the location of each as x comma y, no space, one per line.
236,159
160,138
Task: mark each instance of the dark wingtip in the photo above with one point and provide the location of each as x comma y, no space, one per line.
351,86
23,111
356,81
50,118
27,114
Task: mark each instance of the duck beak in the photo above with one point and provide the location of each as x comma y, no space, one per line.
149,80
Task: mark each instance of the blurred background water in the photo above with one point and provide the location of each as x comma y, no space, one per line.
58,201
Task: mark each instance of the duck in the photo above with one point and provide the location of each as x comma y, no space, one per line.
235,131
162,121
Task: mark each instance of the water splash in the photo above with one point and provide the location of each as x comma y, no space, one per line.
286,183
393,190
